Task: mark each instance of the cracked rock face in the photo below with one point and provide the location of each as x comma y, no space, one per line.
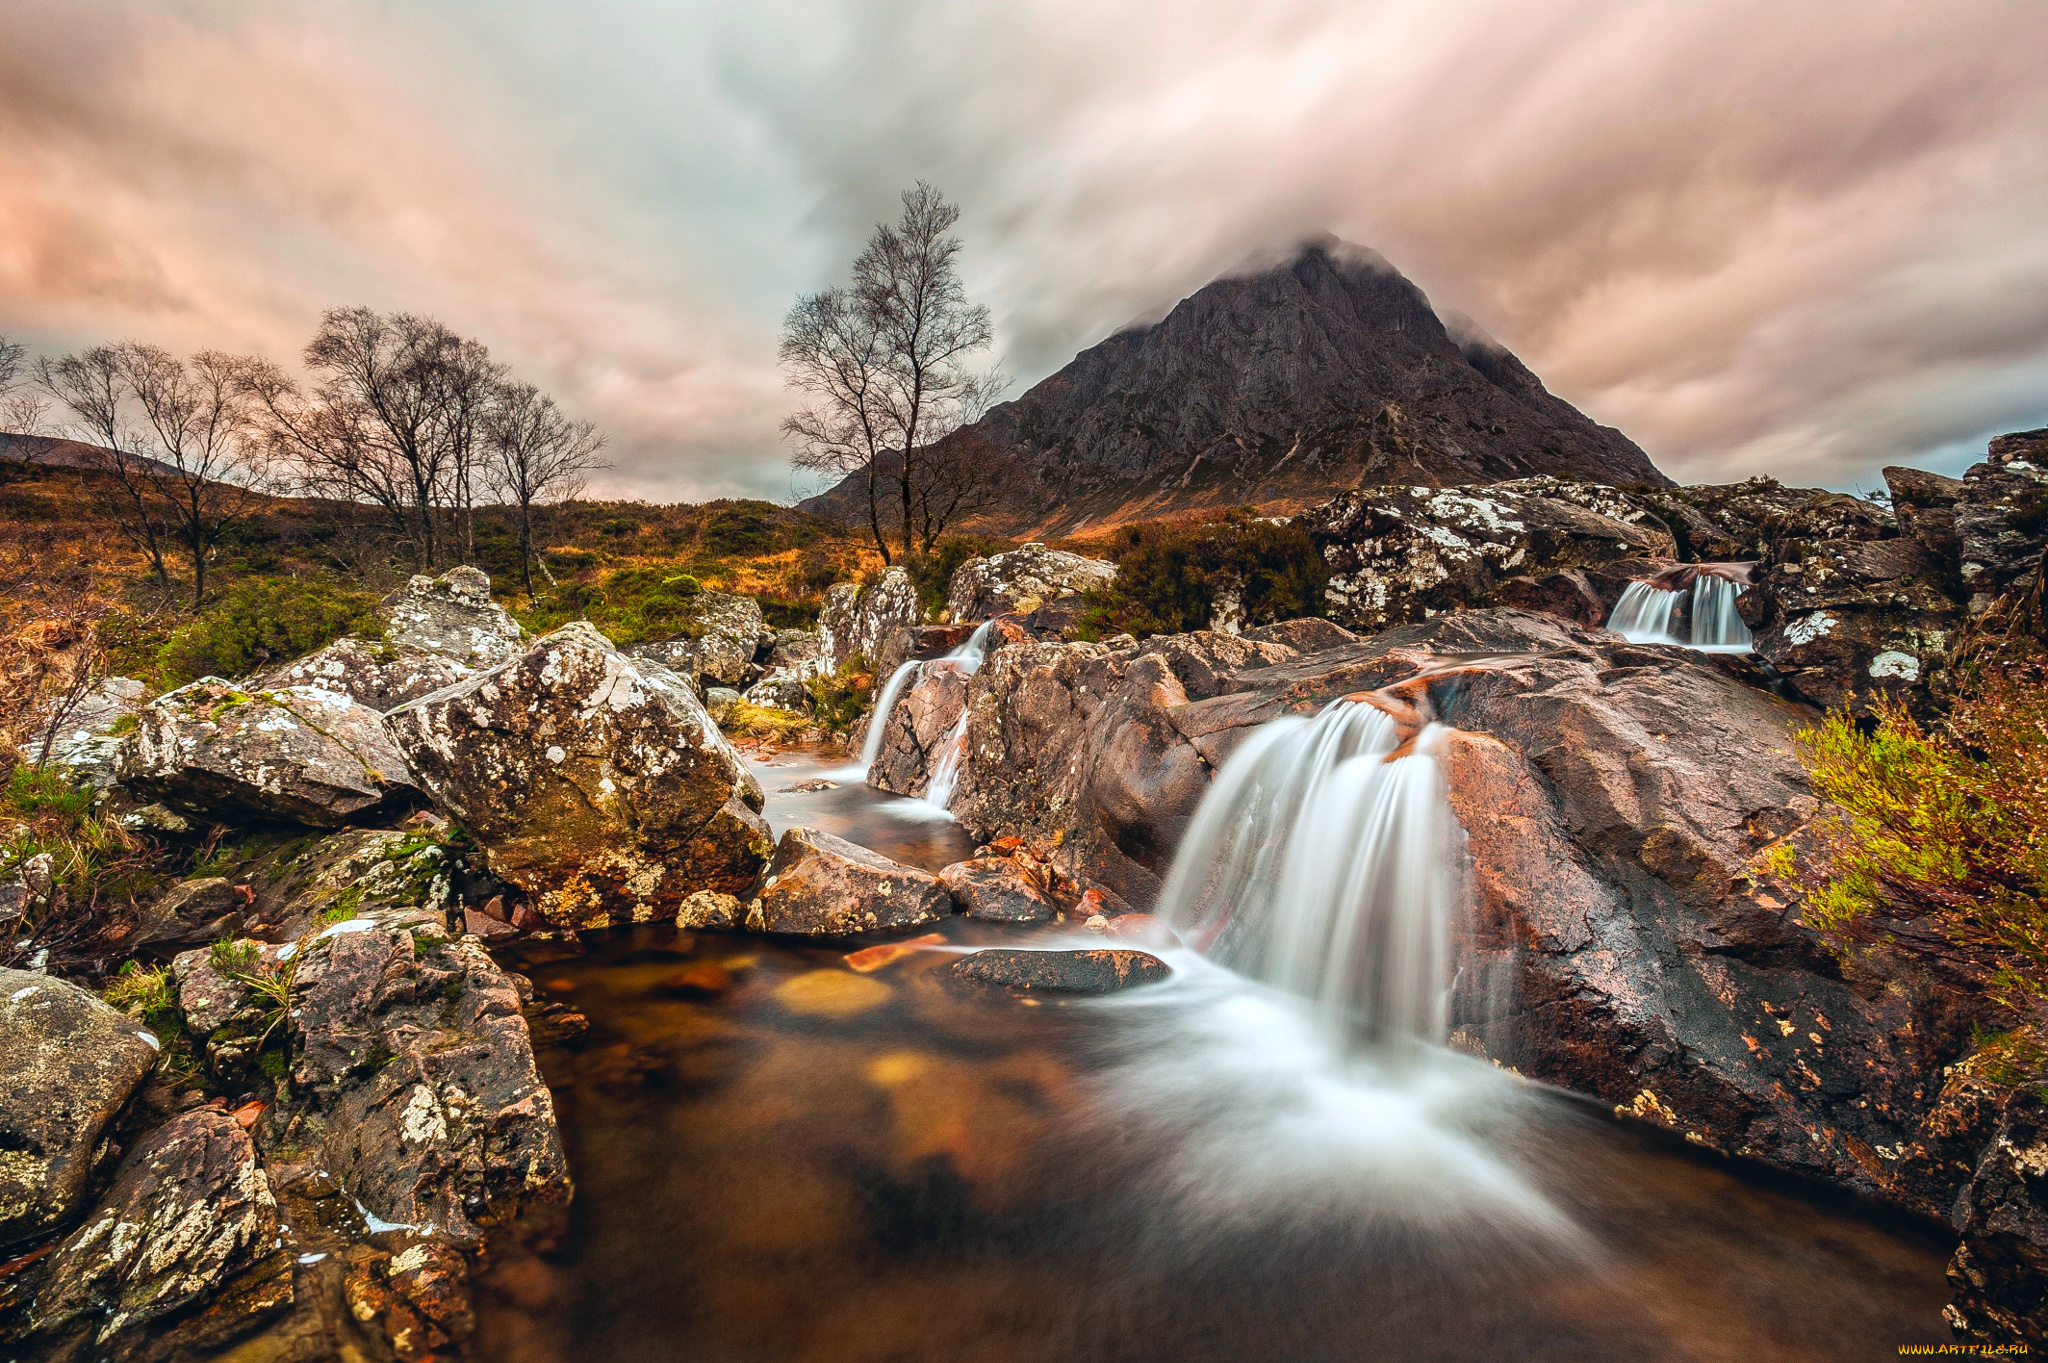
1022,580
822,886
437,631
189,1212
2000,1270
68,1065
857,621
917,729
1403,554
595,781
414,1085
299,755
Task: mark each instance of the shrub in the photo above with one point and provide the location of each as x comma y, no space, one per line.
780,612
260,623
95,864
1936,839
841,696
630,605
748,720
932,573
1171,577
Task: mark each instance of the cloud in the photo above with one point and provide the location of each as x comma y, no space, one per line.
1760,238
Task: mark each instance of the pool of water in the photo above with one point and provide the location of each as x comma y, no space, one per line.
779,1159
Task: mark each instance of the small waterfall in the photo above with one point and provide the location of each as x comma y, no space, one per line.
970,654
1643,615
1715,625
1322,863
871,745
938,791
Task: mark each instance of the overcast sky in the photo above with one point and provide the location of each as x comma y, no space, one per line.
1804,238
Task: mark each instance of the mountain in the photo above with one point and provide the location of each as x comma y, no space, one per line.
1278,389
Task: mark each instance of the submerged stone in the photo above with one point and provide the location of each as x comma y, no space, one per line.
822,886
1100,971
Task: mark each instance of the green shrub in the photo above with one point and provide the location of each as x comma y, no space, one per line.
1170,577
1935,839
629,605
840,697
259,623
781,612
932,573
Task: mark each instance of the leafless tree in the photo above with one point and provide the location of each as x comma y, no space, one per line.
832,349
887,361
20,413
181,441
535,455
394,418
93,385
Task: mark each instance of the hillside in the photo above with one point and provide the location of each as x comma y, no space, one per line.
1276,390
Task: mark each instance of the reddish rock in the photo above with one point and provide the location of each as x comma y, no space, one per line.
994,889
1099,971
822,886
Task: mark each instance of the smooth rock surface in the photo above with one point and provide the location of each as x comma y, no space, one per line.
594,781
1102,970
300,755
68,1065
1022,580
822,886
994,890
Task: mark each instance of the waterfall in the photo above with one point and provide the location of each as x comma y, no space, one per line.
969,655
1643,615
1323,864
938,791
871,745
1715,625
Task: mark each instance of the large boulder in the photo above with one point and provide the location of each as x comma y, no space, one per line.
721,633
1400,554
918,728
189,1214
1101,970
857,620
413,1082
995,889
300,755
437,631
1761,518
822,886
1021,580
594,781
68,1065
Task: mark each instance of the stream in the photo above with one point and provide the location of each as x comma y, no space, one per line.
779,1159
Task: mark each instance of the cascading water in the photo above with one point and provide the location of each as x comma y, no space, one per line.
967,658
1643,615
1715,625
1323,864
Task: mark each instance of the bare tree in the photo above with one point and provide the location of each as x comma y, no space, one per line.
832,348
888,361
535,455
394,418
93,384
20,413
206,461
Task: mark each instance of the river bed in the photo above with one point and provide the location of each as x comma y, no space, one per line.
779,1159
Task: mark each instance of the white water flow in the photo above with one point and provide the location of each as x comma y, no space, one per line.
1715,625
938,791
1643,615
1322,865
871,745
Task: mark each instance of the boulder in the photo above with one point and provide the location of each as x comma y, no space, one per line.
798,652
437,631
822,886
299,755
220,1005
2020,447
919,643
1850,620
1761,518
189,1213
995,890
87,742
413,1084
857,620
719,700
1021,580
2001,526
780,691
203,909
721,634
2000,1269
1102,970
593,781
918,728
68,1065
1399,554
288,881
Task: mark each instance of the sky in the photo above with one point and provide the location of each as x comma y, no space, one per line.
1802,239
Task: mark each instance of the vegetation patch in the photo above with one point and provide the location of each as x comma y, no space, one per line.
1172,578
841,697
256,623
748,720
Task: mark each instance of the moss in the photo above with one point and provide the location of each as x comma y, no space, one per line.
748,720
260,623
841,696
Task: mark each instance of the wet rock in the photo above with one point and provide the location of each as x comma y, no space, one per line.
920,642
709,909
1761,518
918,729
413,1083
857,620
1399,554
994,889
437,631
87,742
189,1212
1302,636
1850,620
2000,1269
1100,971
1021,580
68,1065
721,633
299,755
593,781
822,886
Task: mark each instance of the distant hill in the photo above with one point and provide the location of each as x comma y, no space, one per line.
1278,389
60,453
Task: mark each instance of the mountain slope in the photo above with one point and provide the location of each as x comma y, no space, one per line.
1279,389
